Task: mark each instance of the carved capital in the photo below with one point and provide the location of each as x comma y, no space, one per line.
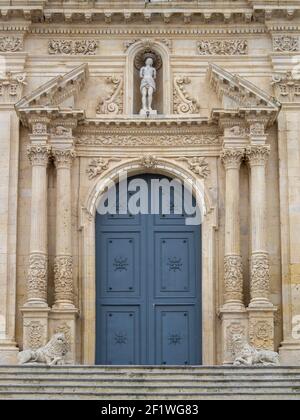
232,158
260,276
63,278
258,155
63,158
37,277
233,276
39,154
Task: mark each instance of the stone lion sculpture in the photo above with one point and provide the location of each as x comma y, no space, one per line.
51,354
247,355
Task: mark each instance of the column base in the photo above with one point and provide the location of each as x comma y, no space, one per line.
63,320
234,321
261,326
8,352
35,327
289,353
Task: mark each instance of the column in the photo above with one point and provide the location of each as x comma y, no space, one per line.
64,312
261,310
11,87
63,266
234,317
36,310
287,87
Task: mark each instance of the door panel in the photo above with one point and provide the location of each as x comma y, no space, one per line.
148,290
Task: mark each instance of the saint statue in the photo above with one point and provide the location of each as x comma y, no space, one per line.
148,86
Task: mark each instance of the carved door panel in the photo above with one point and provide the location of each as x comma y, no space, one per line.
148,290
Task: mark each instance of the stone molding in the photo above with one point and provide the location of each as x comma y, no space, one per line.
287,87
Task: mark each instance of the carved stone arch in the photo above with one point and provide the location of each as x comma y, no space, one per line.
88,256
164,53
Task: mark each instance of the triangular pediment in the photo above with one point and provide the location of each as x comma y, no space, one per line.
60,91
236,92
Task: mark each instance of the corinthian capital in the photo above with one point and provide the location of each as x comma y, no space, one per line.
258,155
38,154
232,158
63,158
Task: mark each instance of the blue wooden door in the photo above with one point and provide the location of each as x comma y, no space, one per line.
148,290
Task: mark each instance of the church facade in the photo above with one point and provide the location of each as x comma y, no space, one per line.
200,91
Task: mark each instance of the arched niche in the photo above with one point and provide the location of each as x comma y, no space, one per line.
162,97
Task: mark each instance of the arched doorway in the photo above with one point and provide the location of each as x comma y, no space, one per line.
148,288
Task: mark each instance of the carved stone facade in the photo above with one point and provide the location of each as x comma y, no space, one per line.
228,102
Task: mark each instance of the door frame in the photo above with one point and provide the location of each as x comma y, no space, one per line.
87,258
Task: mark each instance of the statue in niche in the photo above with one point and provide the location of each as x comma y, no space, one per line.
148,86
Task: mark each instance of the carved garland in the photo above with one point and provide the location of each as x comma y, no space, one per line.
70,47
223,47
183,103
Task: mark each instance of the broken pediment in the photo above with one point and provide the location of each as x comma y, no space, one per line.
236,92
60,91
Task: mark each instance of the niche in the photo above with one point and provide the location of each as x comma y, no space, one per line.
158,96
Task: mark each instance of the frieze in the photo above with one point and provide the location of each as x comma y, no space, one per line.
71,47
286,43
10,44
223,47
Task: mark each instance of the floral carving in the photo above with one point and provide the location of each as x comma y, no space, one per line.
34,335
70,47
120,264
260,276
286,43
261,334
10,44
198,165
99,165
113,104
233,276
223,47
37,277
63,278
287,86
38,154
258,155
232,158
149,140
148,161
182,101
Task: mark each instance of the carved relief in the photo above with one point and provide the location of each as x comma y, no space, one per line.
148,140
286,43
99,165
10,44
37,277
65,329
261,334
61,131
175,264
258,155
38,154
238,131
39,128
113,104
233,329
51,354
223,47
260,276
250,355
287,87
63,278
120,264
34,334
183,103
148,161
71,47
233,269
198,165
257,129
